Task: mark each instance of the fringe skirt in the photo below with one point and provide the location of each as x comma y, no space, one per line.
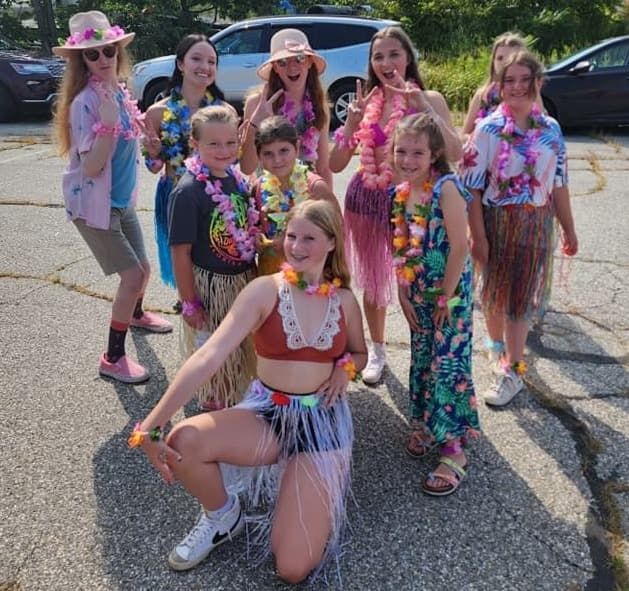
218,292
368,240
303,428
517,279
162,193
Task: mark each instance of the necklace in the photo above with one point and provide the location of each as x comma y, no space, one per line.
408,234
174,131
374,174
242,229
132,130
514,185
488,102
309,134
276,202
325,288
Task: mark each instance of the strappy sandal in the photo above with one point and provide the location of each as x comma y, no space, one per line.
420,443
454,480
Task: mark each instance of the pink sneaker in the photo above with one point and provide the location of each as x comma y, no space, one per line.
152,322
124,370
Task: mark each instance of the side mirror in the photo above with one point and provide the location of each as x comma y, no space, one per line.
581,67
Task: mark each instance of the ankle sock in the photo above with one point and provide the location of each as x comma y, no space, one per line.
138,311
115,346
379,350
222,510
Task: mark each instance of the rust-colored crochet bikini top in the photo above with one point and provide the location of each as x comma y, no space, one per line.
280,337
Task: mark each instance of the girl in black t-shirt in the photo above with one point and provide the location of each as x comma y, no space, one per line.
213,226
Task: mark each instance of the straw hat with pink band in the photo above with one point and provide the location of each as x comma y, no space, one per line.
89,30
287,43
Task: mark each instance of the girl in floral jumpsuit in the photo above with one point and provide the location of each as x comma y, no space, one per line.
435,292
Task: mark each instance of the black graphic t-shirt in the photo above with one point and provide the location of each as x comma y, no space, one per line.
194,218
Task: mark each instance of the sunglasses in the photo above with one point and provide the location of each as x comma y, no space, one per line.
298,59
92,55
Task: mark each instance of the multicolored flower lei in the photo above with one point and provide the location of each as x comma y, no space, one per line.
514,185
374,174
244,237
110,34
277,202
408,236
174,131
325,288
133,130
309,134
488,102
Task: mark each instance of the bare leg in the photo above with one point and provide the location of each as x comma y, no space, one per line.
232,436
516,332
375,320
495,325
302,523
131,285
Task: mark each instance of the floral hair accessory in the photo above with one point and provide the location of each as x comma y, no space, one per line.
137,437
325,288
346,363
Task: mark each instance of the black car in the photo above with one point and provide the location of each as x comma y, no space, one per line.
590,87
28,84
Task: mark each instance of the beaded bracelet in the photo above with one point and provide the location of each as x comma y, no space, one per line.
347,364
344,142
99,128
137,437
192,307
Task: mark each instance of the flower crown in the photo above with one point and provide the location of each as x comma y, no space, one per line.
110,34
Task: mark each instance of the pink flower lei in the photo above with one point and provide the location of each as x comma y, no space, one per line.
243,237
514,185
310,136
377,175
133,112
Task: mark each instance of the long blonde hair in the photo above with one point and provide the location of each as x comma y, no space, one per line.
323,215
508,39
75,79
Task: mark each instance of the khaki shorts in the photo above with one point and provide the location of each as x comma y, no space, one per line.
119,248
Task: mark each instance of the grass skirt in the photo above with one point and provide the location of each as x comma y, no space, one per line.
218,292
368,240
517,278
162,193
299,423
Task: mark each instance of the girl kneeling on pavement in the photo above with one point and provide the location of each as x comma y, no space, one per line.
434,276
294,424
212,236
98,126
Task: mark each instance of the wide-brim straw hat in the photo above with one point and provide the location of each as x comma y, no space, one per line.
92,29
288,43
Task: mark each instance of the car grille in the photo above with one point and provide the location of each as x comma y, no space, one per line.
56,69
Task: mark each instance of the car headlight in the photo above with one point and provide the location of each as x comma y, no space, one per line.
27,69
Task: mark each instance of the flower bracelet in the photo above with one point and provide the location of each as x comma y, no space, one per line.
346,363
189,308
344,142
138,437
100,128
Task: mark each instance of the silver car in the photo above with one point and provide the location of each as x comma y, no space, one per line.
242,47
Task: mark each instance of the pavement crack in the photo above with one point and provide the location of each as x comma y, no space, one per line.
25,202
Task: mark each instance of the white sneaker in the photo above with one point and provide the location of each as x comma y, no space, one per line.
375,364
208,533
504,390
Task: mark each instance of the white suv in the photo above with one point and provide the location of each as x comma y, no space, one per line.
342,40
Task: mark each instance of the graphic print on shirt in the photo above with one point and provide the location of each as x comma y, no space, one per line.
221,241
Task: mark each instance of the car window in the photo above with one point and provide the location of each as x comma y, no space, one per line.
615,56
240,42
333,35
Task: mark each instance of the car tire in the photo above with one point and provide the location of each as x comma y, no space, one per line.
8,107
154,92
341,95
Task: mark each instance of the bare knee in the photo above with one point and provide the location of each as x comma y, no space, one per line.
292,568
132,280
185,439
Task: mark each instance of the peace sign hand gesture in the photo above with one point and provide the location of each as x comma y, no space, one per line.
264,107
356,108
414,96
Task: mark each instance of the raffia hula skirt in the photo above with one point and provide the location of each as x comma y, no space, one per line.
218,292
518,275
307,432
368,239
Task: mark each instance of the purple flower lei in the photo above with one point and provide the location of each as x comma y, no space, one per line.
310,137
514,185
243,237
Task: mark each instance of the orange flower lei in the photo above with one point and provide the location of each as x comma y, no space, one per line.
408,237
326,288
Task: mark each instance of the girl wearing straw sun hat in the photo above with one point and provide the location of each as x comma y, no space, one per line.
292,88
97,125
